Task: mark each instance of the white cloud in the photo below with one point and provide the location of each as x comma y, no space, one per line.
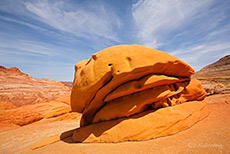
199,55
91,22
156,18
199,27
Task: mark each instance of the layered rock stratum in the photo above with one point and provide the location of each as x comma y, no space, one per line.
21,89
215,78
12,117
67,83
125,90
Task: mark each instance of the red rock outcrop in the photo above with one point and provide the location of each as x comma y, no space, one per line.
31,113
20,89
12,117
66,83
215,78
122,91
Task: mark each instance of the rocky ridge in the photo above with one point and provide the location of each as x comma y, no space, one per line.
215,78
21,89
67,83
12,117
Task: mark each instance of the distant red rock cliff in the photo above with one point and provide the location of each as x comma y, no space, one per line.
215,78
66,83
21,89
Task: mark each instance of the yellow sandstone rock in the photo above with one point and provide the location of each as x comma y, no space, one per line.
127,82
119,64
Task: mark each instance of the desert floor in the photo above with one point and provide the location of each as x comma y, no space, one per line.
210,135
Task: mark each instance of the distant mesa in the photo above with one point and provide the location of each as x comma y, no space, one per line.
215,78
21,89
131,92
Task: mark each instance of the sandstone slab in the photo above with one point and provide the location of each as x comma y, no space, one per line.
31,113
146,125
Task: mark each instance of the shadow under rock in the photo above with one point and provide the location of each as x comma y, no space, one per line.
97,129
67,136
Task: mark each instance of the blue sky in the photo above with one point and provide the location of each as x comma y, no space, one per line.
45,38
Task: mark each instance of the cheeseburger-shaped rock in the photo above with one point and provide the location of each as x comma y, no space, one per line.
131,92
116,65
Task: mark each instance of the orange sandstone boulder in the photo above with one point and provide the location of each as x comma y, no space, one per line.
163,96
117,65
127,82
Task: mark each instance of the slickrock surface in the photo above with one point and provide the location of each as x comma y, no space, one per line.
131,92
20,89
6,127
222,98
210,135
56,110
6,106
30,135
215,78
64,98
146,125
30,113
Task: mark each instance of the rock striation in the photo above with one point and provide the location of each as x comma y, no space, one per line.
20,89
31,113
66,83
131,92
12,117
215,78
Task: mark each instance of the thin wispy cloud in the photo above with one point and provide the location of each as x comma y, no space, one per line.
45,38
200,55
87,24
194,31
157,18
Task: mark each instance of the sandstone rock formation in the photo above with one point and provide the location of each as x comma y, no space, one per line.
215,78
6,106
12,117
210,135
30,113
64,98
20,89
125,90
